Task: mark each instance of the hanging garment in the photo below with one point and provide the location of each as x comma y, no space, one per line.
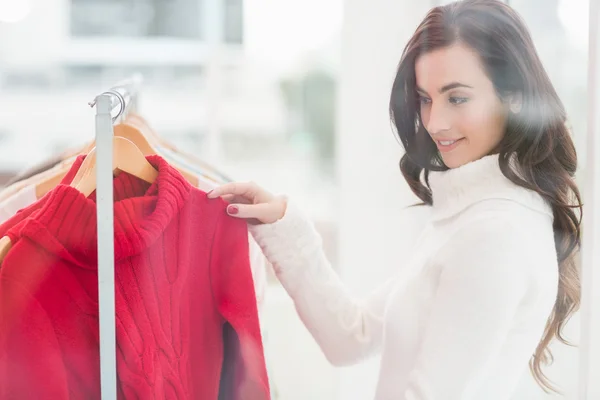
26,196
205,173
187,324
34,205
258,261
45,165
16,202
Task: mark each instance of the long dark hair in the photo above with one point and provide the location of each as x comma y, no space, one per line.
537,135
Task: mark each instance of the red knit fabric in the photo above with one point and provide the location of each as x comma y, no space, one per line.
27,211
182,275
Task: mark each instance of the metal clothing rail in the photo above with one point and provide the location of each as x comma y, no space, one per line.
121,98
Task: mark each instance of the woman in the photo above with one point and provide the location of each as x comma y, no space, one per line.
493,279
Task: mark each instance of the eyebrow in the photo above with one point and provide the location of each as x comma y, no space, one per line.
447,87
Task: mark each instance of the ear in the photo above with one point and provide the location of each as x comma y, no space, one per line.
514,101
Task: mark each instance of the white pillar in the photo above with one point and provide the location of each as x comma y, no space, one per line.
589,387
214,33
373,191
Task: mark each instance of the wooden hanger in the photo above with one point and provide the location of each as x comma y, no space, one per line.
146,139
127,157
140,122
50,181
5,246
157,141
43,181
137,130
133,128
144,126
62,164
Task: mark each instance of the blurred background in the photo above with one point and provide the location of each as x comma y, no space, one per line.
289,93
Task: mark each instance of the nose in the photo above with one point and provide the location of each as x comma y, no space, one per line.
436,120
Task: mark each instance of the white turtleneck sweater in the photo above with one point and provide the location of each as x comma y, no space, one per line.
463,318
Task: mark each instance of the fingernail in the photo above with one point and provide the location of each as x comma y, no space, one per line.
232,210
209,193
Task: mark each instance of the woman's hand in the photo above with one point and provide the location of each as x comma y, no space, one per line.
250,201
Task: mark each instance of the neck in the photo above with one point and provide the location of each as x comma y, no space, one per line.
456,189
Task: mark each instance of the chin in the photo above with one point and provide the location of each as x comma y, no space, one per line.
454,161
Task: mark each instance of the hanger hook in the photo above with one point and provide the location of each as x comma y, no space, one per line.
120,98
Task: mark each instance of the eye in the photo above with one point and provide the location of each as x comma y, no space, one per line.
424,100
458,100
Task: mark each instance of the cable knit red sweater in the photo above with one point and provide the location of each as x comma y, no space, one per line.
186,317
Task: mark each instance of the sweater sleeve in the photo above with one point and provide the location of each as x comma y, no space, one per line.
244,373
485,274
347,329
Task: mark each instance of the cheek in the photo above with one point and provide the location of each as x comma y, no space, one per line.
424,116
480,126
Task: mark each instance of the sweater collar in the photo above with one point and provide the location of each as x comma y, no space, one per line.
66,223
456,189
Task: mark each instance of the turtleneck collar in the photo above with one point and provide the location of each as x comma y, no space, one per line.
66,223
456,189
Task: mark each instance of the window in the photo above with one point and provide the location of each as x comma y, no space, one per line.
136,18
233,21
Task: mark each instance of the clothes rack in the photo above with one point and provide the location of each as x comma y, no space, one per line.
122,98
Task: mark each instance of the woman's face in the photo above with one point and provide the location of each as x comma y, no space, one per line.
459,106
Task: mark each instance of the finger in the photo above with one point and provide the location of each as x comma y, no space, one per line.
244,189
264,212
232,198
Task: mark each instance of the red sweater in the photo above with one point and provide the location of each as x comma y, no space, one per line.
183,287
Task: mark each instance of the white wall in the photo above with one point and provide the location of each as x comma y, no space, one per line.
37,40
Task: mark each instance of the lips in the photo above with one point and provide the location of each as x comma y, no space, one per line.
448,144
